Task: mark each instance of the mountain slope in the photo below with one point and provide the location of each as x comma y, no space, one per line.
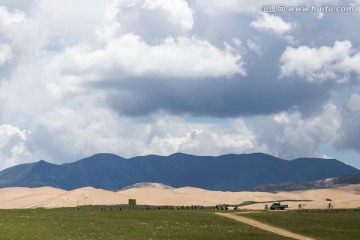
227,173
319,184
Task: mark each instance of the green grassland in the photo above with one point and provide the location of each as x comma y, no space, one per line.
93,223
319,224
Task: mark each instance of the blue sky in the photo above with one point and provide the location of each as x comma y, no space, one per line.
137,77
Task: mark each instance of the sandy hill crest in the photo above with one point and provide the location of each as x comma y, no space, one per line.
148,185
48,197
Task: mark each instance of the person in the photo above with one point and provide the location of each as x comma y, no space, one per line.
299,207
329,205
266,207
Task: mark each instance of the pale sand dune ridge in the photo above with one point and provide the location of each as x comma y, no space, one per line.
48,197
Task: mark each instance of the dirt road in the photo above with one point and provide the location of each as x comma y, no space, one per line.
265,227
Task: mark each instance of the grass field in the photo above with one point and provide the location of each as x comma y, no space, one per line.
332,224
91,223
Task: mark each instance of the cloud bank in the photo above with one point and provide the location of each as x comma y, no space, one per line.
136,77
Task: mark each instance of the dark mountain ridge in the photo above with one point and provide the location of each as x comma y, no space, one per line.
300,186
232,172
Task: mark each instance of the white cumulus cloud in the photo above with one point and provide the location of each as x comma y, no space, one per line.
130,55
267,22
319,64
290,135
63,134
349,138
5,53
8,18
179,11
13,149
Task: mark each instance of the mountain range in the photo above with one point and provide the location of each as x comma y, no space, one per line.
232,172
333,182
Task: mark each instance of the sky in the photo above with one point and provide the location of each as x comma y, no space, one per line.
138,77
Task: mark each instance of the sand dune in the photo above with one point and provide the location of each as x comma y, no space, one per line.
48,197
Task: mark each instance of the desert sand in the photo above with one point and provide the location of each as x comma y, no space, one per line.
48,197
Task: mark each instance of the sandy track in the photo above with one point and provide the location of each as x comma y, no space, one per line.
265,227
